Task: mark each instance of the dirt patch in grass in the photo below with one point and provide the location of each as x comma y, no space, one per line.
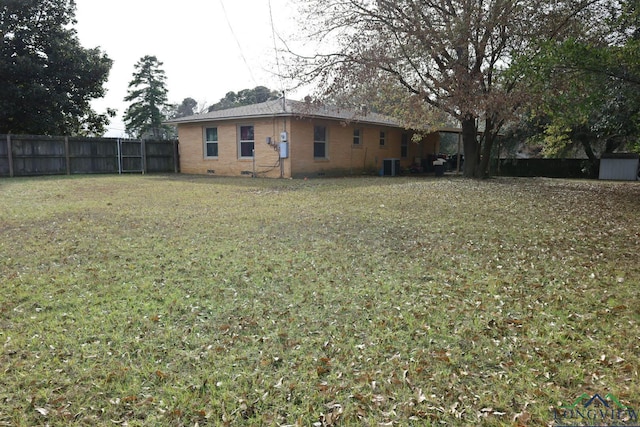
176,300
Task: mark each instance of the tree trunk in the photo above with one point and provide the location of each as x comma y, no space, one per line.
471,146
477,155
489,137
588,149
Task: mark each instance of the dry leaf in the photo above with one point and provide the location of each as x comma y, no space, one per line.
421,397
522,418
43,411
279,383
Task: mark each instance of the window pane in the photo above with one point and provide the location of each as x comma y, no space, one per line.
404,145
356,136
319,149
246,149
246,133
319,133
212,150
212,134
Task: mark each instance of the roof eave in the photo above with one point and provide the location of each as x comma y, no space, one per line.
279,115
226,118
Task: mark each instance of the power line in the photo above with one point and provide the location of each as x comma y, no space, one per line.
275,47
226,16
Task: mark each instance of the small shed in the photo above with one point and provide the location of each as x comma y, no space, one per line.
619,166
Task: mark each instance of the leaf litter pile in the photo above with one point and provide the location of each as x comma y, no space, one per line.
178,300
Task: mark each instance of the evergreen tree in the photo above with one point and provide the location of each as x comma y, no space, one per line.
47,78
148,94
245,97
186,108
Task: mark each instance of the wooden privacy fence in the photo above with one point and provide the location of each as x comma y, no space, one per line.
29,155
550,168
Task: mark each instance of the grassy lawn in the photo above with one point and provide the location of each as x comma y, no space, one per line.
181,300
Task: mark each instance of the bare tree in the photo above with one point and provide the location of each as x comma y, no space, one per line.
448,55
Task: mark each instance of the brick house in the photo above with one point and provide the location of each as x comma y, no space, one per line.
286,138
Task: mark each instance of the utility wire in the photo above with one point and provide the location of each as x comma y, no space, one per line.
275,47
226,16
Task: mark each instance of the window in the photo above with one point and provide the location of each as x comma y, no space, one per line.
320,142
246,144
404,146
211,142
357,136
383,138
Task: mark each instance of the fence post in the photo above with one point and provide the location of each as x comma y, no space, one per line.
67,157
143,149
10,155
119,156
176,157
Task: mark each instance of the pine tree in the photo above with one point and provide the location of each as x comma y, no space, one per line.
148,94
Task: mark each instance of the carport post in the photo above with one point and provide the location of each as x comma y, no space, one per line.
458,162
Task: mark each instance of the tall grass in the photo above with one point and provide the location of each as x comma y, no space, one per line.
179,300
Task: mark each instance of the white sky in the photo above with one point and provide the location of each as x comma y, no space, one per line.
192,39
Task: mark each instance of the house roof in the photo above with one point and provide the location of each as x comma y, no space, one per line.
290,108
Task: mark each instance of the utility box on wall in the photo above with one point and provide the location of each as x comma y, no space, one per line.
284,150
619,166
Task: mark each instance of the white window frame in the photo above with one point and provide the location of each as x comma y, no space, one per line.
246,141
383,138
325,142
357,137
207,142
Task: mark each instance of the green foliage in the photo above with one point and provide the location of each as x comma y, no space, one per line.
48,78
597,107
148,96
245,97
182,300
186,108
588,89
556,140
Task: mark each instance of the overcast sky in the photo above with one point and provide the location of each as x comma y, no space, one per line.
194,39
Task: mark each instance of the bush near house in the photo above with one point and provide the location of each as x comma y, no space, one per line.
181,300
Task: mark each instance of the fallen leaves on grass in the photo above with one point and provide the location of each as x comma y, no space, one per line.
257,302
